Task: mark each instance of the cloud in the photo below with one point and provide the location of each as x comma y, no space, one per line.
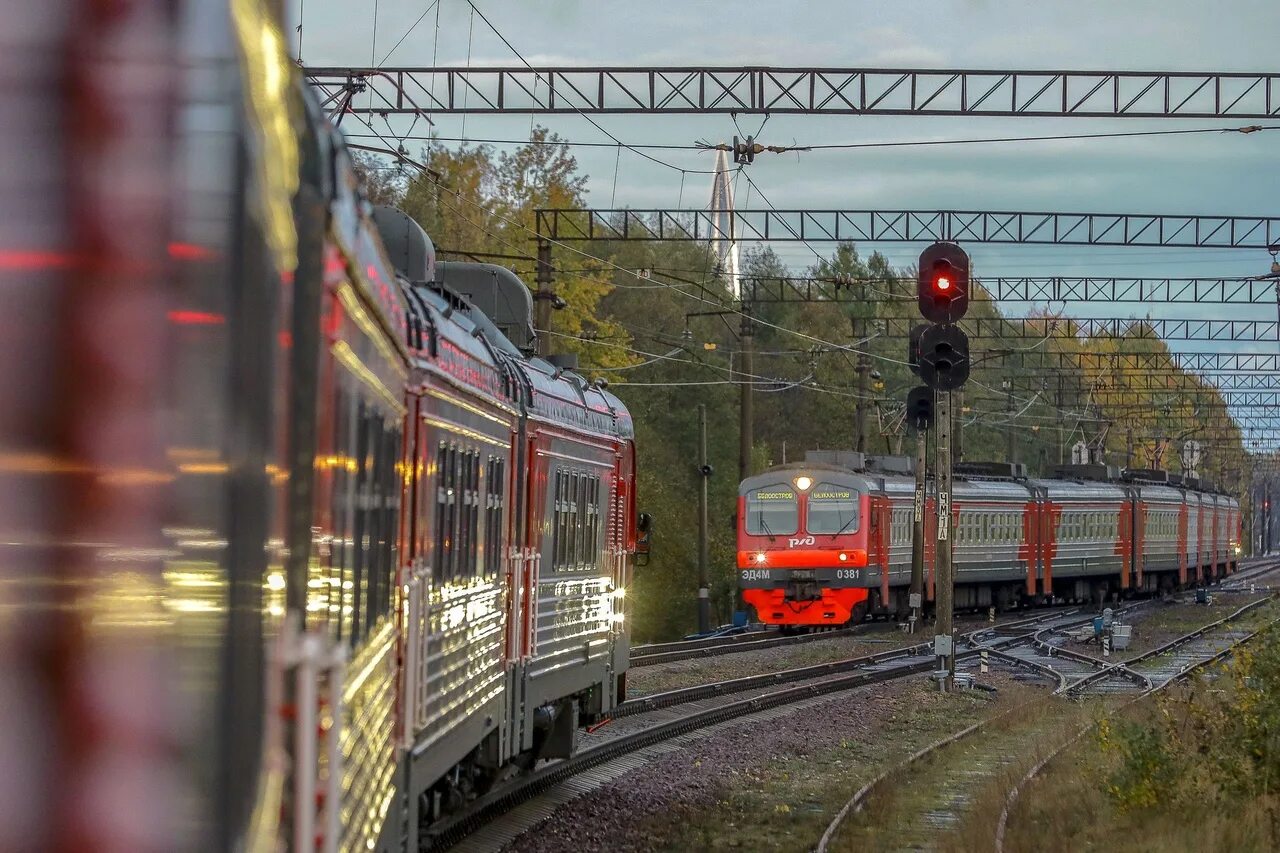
890,46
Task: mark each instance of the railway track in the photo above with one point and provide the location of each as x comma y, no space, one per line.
662,721
1077,675
656,653
657,720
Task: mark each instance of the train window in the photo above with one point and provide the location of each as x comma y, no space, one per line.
832,509
579,519
772,511
576,520
560,518
494,498
592,518
472,567
445,457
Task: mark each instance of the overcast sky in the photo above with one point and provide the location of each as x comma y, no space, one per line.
1211,174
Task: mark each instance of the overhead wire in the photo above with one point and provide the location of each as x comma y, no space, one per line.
915,143
608,263
407,33
538,75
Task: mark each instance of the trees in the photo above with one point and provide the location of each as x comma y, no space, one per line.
658,324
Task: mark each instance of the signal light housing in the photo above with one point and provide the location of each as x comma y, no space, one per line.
944,357
920,408
942,287
913,347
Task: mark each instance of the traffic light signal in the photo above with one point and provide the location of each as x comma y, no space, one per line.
943,283
944,357
920,408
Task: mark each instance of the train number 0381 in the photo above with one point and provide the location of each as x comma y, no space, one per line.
848,574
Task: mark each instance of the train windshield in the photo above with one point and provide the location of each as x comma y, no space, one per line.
772,511
833,509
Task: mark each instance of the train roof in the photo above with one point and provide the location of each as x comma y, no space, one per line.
450,334
997,480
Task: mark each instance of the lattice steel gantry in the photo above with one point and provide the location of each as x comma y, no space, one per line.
798,91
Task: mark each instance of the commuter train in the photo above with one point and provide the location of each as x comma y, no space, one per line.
828,541
312,548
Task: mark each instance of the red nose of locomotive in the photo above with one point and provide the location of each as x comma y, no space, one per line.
802,547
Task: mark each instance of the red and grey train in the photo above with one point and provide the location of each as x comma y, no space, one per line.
827,541
312,549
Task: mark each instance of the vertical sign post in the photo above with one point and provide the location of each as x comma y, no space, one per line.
916,599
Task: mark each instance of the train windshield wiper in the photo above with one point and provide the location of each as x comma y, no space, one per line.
852,519
764,525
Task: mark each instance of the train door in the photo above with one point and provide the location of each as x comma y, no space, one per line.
1128,542
1184,509
1029,547
1213,535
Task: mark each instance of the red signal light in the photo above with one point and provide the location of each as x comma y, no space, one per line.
942,283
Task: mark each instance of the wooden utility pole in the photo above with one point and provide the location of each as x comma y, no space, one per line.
860,405
545,298
944,590
746,435
1010,452
704,474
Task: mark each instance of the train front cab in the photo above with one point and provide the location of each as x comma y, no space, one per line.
802,546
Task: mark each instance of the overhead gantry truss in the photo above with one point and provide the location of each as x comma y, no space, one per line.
882,226
1091,363
1150,291
1127,330
1110,398
798,91
1153,381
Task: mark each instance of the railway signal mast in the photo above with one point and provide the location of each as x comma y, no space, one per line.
920,419
943,297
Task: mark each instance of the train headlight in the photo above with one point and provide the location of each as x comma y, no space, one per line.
803,483
843,557
760,557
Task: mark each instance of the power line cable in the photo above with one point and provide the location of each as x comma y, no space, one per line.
407,33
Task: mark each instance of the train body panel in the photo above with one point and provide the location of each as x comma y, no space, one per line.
517,535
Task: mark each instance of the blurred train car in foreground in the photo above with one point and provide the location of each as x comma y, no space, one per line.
301,549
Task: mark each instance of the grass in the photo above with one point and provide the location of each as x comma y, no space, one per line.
1182,772
785,805
1172,621
932,803
1068,808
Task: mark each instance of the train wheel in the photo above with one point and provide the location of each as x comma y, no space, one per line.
858,613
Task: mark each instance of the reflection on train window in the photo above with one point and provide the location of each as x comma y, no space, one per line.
367,496
575,529
772,511
495,489
832,509
457,520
